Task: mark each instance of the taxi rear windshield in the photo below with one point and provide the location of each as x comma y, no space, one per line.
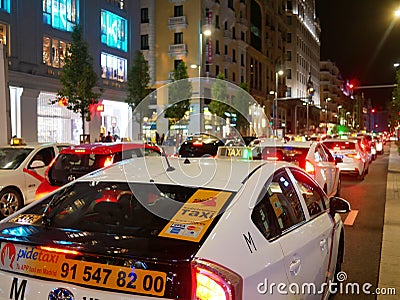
11,158
340,145
137,209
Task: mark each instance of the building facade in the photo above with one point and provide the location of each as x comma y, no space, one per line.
36,36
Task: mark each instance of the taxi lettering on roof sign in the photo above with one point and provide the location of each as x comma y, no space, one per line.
234,152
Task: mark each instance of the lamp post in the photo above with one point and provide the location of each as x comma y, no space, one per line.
275,108
326,113
338,113
206,32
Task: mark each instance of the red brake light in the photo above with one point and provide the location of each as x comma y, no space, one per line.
197,143
108,161
309,168
211,281
59,250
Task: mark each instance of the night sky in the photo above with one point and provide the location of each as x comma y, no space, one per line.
363,39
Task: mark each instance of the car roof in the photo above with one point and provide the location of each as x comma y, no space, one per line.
106,148
36,145
298,144
221,174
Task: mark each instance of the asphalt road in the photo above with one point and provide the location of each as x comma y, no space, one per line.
363,239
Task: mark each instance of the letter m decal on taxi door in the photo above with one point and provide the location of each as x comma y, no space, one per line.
19,290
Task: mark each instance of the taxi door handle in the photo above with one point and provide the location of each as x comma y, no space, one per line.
294,267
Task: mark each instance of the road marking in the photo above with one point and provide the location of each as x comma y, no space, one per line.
351,217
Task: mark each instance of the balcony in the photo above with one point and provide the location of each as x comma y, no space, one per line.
177,22
177,50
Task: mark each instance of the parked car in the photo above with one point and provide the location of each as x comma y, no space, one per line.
22,169
311,156
76,161
222,231
355,160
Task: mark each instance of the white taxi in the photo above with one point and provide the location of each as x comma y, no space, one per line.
22,169
314,157
159,228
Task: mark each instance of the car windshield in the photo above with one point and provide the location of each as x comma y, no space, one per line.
138,209
342,145
296,155
11,158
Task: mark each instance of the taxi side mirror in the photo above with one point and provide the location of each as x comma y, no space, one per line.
36,164
339,206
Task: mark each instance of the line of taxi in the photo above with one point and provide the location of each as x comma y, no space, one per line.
176,228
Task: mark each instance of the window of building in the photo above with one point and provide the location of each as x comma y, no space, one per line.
61,14
178,38
233,76
242,36
288,73
114,30
54,52
289,37
216,70
226,50
289,5
233,55
144,42
242,60
178,10
144,15
5,5
176,63
289,55
233,32
3,34
216,21
230,4
113,67
226,25
217,47
226,73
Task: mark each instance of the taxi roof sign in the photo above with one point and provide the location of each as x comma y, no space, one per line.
235,152
17,142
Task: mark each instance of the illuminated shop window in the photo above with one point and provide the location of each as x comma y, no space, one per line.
114,30
3,34
113,67
5,5
54,52
61,14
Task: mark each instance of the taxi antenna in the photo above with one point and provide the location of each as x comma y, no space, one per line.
169,168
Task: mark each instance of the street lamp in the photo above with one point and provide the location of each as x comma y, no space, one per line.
338,113
275,107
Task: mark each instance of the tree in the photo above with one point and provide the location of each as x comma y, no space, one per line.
78,78
395,104
218,104
240,107
179,90
138,85
138,80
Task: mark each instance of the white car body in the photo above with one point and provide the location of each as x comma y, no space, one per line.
256,242
18,185
355,160
320,163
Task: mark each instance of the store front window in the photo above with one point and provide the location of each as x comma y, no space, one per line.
61,14
54,52
115,119
56,123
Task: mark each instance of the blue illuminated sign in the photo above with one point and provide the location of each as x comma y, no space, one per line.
61,14
114,30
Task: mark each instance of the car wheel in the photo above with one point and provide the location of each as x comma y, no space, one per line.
338,267
10,202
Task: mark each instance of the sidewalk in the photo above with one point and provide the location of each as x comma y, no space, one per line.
389,273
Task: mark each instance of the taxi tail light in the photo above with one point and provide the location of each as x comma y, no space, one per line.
108,161
212,281
60,250
309,168
354,155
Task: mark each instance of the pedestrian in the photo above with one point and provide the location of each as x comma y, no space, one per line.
101,137
109,138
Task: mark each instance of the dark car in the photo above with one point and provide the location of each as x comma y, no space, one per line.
202,145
